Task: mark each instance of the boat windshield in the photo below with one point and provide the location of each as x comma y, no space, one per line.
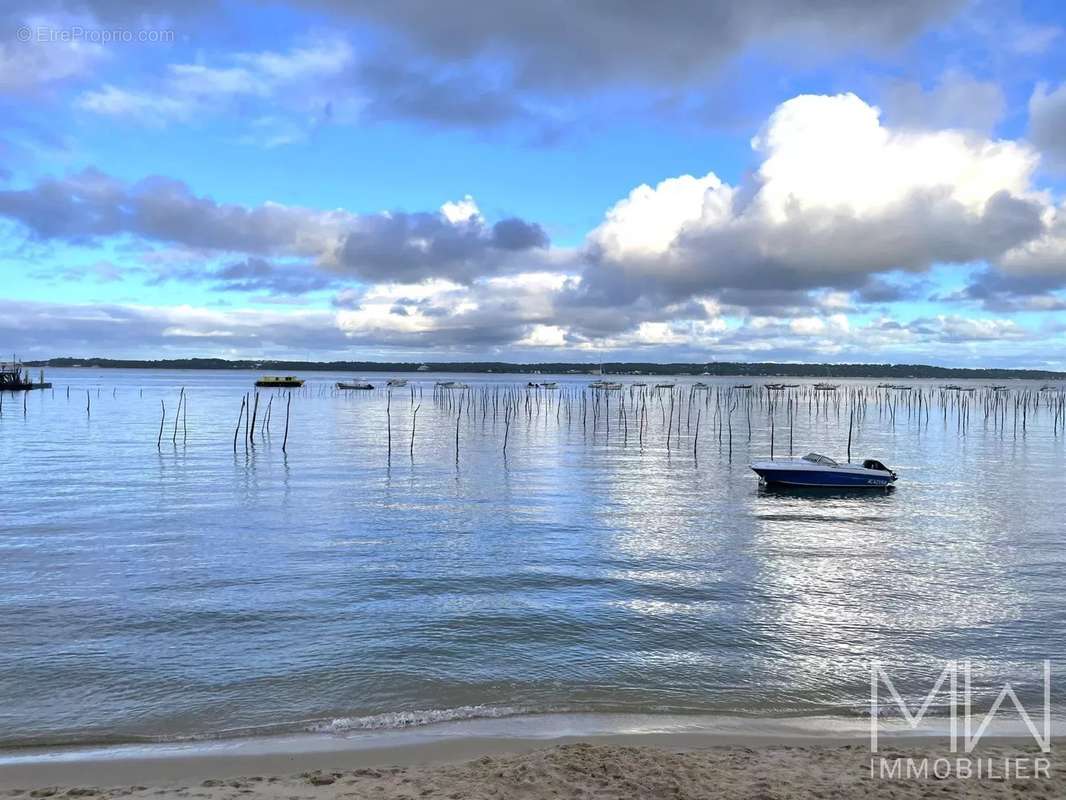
815,458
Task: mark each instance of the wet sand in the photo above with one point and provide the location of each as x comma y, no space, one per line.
666,766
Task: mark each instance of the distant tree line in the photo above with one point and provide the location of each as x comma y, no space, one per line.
719,368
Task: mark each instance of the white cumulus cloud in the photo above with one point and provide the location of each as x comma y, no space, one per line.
838,196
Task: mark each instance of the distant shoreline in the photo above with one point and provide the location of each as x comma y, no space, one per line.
714,369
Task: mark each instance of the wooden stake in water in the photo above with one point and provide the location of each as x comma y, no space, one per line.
181,400
790,424
237,430
696,438
851,425
255,417
771,430
414,421
159,440
458,417
285,441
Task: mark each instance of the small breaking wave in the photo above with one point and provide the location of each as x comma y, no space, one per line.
412,719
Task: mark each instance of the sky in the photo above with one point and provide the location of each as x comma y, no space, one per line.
697,180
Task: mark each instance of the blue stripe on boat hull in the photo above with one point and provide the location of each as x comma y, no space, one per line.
802,477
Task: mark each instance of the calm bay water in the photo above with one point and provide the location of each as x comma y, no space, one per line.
188,590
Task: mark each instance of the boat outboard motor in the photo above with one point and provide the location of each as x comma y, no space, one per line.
871,463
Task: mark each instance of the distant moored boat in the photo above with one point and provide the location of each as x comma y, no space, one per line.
16,378
280,382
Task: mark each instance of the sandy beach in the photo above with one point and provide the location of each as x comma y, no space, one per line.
672,767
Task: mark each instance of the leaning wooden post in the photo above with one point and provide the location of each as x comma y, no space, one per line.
87,401
181,399
237,430
771,431
696,438
255,416
790,424
458,417
285,441
851,424
414,421
162,419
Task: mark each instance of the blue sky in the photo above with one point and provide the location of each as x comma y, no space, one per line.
700,181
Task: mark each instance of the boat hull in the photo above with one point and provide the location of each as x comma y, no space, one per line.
784,474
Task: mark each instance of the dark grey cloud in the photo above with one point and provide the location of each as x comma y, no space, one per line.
483,65
402,90
768,301
567,46
964,330
255,274
1047,123
90,204
1006,293
877,290
989,283
517,234
815,249
116,11
413,247
401,247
